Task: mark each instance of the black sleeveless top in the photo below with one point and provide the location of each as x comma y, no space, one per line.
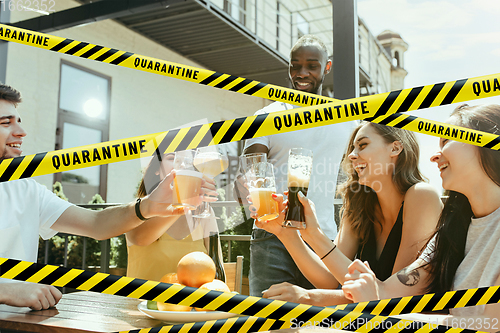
368,252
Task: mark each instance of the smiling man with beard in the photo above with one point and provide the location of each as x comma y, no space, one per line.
270,263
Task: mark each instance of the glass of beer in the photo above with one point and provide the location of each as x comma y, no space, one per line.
300,162
187,181
211,162
261,185
246,164
248,161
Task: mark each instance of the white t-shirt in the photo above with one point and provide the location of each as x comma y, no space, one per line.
328,143
28,210
481,264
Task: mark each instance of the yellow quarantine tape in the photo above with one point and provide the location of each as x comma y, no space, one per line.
287,313
376,108
417,98
161,67
383,108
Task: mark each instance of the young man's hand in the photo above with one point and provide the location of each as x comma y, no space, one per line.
32,295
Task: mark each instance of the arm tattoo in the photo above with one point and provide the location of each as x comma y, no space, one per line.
408,277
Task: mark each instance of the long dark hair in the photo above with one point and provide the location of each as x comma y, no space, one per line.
456,216
359,201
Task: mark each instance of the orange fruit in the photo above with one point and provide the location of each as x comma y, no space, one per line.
217,285
195,269
171,278
172,307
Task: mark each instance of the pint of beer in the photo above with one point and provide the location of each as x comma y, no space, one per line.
187,181
261,185
299,173
187,188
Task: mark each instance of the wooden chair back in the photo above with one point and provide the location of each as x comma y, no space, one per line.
234,274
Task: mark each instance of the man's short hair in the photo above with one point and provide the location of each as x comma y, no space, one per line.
310,40
9,94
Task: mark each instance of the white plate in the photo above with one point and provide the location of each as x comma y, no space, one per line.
178,317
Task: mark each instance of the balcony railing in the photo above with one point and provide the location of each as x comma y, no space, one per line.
106,244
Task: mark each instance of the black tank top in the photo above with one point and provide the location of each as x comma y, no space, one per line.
368,252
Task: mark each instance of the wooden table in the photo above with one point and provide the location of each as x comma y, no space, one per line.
83,311
87,311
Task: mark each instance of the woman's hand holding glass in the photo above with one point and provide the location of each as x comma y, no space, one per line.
312,229
275,225
159,201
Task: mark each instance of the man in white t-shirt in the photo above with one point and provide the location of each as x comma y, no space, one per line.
28,210
270,263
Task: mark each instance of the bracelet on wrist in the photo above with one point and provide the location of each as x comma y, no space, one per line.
333,248
138,209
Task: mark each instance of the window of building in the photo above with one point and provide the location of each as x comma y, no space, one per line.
302,25
83,119
395,61
277,25
237,9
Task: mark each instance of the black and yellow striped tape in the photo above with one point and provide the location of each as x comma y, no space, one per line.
356,323
285,312
385,307
411,99
231,325
416,98
161,67
383,108
376,108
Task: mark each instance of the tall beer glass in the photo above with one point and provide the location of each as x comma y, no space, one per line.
246,164
262,185
248,161
300,162
187,181
211,162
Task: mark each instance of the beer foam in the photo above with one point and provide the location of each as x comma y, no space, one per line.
255,189
206,157
299,170
190,173
298,179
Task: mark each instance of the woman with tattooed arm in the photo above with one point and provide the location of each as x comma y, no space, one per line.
465,252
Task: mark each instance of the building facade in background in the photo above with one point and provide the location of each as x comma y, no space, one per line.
71,101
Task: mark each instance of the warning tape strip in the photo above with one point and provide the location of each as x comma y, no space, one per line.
382,108
157,66
385,307
376,108
417,98
285,312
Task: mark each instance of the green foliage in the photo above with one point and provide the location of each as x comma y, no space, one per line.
119,255
58,190
238,225
76,245
96,199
